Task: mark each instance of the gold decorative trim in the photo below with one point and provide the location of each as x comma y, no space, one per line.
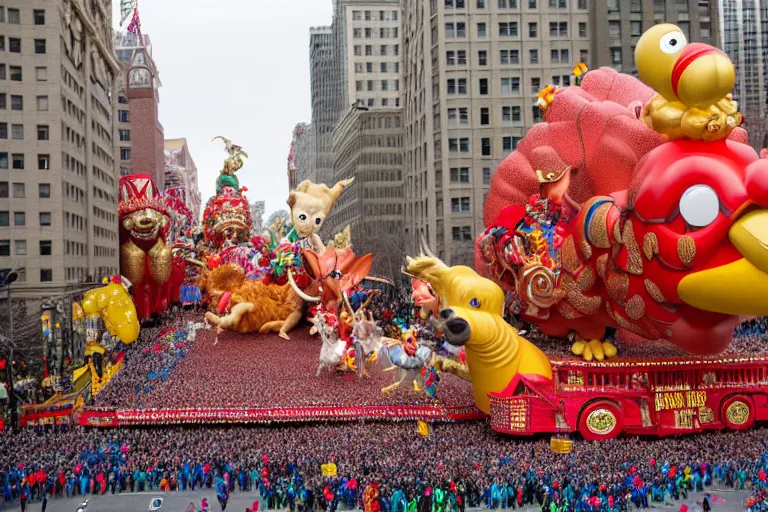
635,307
654,291
650,245
586,249
634,259
602,265
618,286
598,227
570,260
686,249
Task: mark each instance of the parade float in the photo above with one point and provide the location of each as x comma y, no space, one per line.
630,213
146,259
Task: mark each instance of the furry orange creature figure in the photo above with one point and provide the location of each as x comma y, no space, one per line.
252,305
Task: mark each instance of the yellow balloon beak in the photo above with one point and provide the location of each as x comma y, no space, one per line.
741,287
706,80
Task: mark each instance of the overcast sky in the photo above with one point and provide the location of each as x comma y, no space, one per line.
237,68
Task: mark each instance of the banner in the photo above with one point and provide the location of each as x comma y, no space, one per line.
123,417
126,9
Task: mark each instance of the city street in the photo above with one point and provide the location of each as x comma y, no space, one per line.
177,502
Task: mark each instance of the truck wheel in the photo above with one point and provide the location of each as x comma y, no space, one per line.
600,421
738,412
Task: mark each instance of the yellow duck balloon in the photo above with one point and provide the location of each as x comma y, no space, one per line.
114,304
693,84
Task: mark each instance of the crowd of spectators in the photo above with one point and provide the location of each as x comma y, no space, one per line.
283,464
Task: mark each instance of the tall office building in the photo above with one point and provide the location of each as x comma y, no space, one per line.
368,145
140,134
367,35
615,26
181,179
301,156
326,98
743,28
472,70
58,178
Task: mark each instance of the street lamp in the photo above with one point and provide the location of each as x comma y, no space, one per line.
8,276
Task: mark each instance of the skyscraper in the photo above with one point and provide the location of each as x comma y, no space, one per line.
58,178
615,26
472,70
140,134
744,37
326,91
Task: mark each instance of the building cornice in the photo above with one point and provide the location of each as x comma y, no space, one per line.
110,57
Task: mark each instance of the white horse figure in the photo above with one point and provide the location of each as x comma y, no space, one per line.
333,348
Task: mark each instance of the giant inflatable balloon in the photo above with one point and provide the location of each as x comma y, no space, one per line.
145,258
113,303
632,210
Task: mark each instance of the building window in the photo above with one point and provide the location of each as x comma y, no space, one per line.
483,86
18,161
17,132
509,143
582,30
584,56
14,16
44,190
450,58
369,67
5,247
481,30
385,85
368,33
464,116
39,46
394,15
19,191
461,86
42,132
46,247
685,27
123,116
613,5
536,114
460,204
371,102
461,57
533,29
4,133
533,55
42,74
485,146
5,219
16,73
486,175
616,56
464,144
383,67
637,28
357,33
3,189
2,71
21,247
507,4
3,101
367,15
582,4
456,233
43,162
19,219
125,153
565,56
46,275
510,85
45,218
508,29
482,58
17,102
509,56
460,175
125,135
39,16
485,116
481,4
14,45
358,88
614,29
42,103
356,15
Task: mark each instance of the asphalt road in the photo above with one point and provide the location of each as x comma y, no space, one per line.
178,502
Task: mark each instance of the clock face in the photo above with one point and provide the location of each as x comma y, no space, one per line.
140,77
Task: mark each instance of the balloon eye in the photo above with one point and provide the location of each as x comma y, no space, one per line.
318,221
336,274
672,43
699,206
475,303
302,217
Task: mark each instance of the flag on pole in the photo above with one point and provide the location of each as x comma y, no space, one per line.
134,27
126,8
423,428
